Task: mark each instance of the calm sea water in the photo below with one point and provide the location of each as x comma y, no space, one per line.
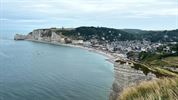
36,71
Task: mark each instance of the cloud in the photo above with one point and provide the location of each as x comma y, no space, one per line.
3,19
88,11
146,7
22,20
30,21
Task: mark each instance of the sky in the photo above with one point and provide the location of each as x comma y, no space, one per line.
26,15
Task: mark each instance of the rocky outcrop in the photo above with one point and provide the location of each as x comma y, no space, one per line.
20,37
47,35
126,75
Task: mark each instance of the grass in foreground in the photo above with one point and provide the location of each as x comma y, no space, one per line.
158,89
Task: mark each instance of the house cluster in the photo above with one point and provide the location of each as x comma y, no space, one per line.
121,46
124,47
168,48
127,46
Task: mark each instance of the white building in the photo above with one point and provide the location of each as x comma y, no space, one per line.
77,41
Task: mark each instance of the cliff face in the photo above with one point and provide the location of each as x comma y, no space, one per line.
42,34
45,35
126,76
55,37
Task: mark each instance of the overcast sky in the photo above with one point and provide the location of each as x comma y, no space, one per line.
139,14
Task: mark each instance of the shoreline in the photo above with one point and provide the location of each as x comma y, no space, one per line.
109,57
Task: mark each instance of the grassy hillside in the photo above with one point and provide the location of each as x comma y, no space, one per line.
157,61
159,89
163,88
161,58
171,61
158,71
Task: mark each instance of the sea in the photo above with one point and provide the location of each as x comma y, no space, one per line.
38,71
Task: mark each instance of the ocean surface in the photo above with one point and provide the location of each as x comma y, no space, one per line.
37,71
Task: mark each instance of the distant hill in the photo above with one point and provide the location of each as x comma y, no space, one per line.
134,31
164,36
99,33
155,36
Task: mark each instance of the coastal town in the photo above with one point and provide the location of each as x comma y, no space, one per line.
88,49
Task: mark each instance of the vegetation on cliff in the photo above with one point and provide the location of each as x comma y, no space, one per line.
161,58
111,34
99,33
155,36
